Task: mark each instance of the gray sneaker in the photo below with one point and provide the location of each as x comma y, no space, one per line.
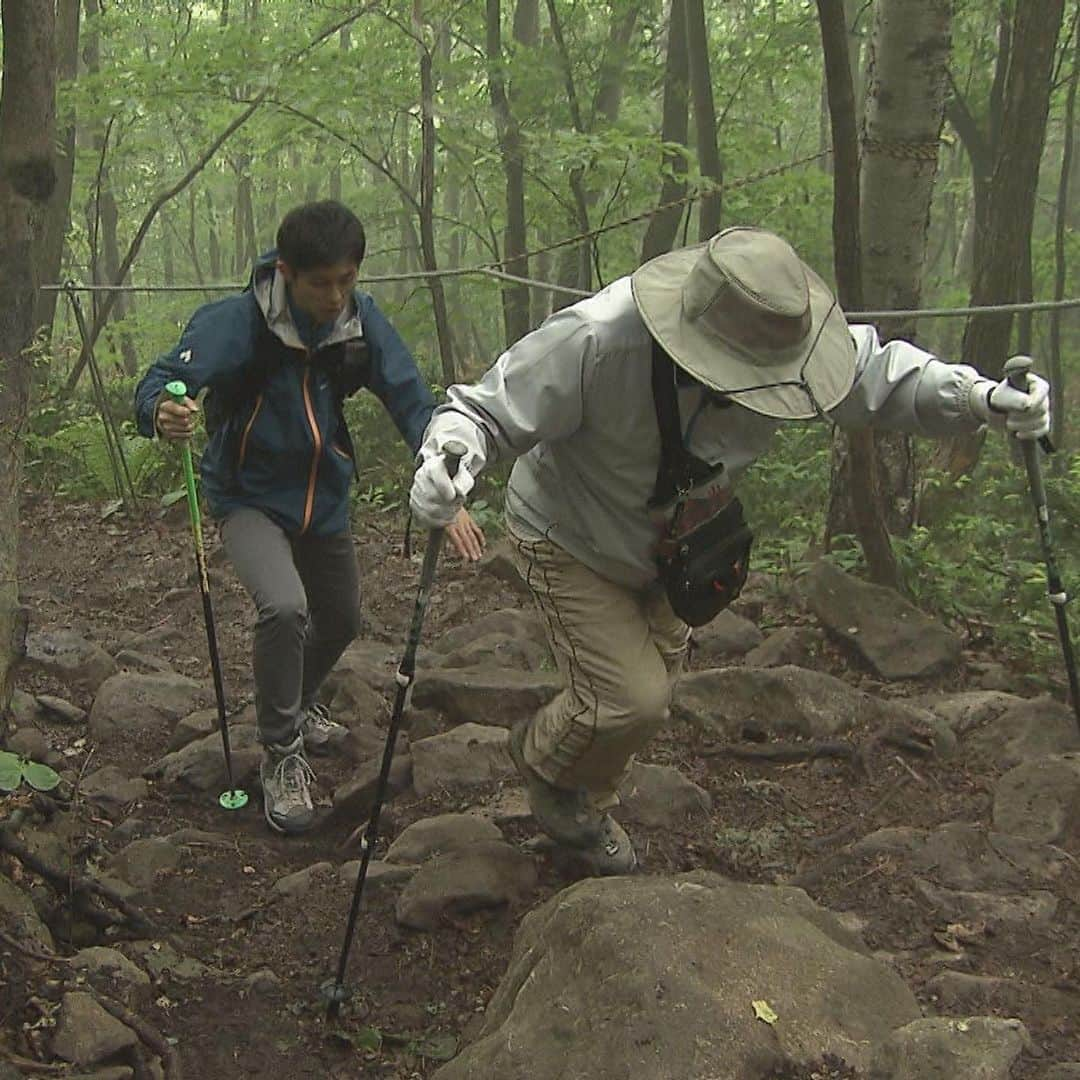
319,731
286,782
597,840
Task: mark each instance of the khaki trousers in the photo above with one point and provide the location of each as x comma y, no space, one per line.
619,651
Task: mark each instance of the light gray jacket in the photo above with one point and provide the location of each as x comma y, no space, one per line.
572,401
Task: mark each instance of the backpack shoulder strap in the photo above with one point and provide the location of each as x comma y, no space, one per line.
679,470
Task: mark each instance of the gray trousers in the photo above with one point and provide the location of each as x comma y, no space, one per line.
306,591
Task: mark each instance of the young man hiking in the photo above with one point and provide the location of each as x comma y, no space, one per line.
278,361
631,415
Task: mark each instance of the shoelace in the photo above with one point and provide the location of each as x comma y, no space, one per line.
318,716
294,774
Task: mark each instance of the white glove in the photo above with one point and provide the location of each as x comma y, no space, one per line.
435,498
1025,414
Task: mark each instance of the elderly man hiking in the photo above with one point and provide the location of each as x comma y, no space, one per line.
278,360
631,415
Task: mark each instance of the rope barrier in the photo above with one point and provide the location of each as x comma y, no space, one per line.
490,271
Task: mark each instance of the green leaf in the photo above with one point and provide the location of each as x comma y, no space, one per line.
170,498
40,777
10,771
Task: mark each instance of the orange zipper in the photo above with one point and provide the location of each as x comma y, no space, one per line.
247,430
316,435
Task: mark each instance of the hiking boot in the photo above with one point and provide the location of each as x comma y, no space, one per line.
319,731
597,840
286,782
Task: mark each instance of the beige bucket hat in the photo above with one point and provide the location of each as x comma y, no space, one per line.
743,314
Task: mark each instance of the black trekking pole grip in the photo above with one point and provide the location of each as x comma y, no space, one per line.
1016,372
333,990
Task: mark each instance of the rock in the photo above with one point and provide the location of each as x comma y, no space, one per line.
1028,729
150,704
498,563
890,634
508,806
78,663
466,756
798,645
189,837
483,875
102,966
967,857
501,651
520,624
373,664
353,800
152,641
939,1048
727,636
302,881
484,695
200,765
740,702
110,786
113,1072
29,743
25,710
263,981
86,1033
378,873
1066,1070
994,910
358,706
439,836
142,861
968,995
969,709
994,676
160,959
61,711
204,722
19,916
660,796
654,978
1040,799
142,663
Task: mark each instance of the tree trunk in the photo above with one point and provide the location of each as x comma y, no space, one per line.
1000,250
1057,368
855,481
27,181
515,297
664,226
710,208
427,200
58,216
905,109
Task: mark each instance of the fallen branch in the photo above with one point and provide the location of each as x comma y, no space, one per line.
782,751
149,1036
70,883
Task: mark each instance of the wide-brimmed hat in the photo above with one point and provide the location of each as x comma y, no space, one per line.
744,315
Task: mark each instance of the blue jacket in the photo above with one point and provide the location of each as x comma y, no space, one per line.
283,447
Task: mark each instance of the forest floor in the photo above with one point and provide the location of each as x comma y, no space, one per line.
425,992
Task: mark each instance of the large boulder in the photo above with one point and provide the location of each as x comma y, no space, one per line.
485,695
737,702
1026,730
200,765
467,756
658,977
145,705
886,631
1040,799
727,636
86,1034
941,1048
19,916
78,663
440,835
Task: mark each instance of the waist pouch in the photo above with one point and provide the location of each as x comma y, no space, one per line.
704,568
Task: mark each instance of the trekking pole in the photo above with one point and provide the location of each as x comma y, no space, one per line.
234,798
1016,371
333,990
